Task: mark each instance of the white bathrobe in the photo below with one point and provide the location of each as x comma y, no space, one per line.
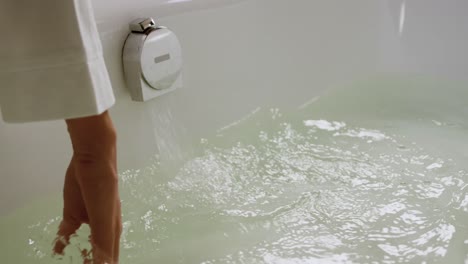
51,62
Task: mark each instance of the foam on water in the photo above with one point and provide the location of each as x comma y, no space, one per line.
330,183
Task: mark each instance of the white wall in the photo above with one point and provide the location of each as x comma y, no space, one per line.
239,55
432,40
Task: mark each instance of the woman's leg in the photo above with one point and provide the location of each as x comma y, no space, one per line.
95,170
74,210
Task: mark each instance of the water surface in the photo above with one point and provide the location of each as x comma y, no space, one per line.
374,173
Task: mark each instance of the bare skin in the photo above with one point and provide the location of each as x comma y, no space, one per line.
91,188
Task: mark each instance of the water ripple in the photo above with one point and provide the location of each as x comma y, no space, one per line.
295,192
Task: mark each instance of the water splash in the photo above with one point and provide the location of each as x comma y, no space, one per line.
294,188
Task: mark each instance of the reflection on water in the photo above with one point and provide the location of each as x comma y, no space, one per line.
305,187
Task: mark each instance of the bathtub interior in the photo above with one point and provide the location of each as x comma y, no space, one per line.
342,179
238,56
253,67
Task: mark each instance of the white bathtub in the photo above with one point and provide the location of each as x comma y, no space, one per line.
240,56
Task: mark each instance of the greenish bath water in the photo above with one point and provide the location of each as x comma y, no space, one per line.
374,173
